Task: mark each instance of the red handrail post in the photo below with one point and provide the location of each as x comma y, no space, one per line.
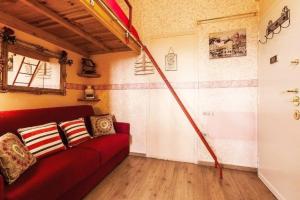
130,14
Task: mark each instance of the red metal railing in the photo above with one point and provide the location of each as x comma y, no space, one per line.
130,14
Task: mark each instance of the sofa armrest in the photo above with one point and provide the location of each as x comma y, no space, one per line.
122,127
1,187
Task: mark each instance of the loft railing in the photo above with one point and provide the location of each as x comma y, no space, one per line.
111,11
126,27
130,14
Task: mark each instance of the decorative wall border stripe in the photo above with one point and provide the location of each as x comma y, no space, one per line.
176,85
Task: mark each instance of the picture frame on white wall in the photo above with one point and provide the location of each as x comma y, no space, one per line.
171,60
228,44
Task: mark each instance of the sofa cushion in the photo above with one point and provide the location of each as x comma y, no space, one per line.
54,175
15,159
42,140
75,131
108,146
19,118
102,125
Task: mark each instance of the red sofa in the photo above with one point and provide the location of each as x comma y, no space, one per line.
68,174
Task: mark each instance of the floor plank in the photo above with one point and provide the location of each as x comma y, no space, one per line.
140,178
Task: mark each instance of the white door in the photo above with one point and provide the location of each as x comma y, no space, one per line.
279,132
169,134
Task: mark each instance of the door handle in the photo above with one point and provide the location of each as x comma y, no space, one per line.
297,115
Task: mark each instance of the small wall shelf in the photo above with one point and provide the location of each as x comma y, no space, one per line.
89,75
89,100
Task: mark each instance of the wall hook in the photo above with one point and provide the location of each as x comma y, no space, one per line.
277,25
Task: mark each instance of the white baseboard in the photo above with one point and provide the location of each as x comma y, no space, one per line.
271,187
137,154
204,163
229,166
170,159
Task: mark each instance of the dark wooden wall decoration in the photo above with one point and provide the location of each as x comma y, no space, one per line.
6,37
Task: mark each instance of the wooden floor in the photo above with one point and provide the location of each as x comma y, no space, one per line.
140,178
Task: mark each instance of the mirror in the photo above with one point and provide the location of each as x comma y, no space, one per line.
27,67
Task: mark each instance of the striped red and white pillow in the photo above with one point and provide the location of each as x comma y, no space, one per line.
75,131
42,140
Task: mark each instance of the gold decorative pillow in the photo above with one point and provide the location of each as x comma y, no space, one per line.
102,125
15,159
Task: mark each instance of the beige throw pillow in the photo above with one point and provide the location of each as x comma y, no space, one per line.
15,159
102,125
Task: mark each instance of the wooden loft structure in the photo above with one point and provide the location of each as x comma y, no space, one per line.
82,26
87,27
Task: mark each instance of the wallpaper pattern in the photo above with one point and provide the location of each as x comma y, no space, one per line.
168,17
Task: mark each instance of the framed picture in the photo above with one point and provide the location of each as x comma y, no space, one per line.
228,44
171,61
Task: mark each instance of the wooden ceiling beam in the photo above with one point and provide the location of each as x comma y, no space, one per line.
55,17
15,23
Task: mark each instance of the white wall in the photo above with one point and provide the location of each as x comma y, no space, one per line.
278,132
221,95
231,124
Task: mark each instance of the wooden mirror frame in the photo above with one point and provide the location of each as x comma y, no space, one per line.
9,43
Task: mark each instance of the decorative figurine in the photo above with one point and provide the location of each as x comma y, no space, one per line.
88,66
89,92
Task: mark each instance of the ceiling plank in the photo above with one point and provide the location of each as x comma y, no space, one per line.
122,49
55,17
52,24
14,22
102,15
102,35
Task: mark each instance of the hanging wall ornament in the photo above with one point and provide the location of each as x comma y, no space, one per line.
171,60
143,66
